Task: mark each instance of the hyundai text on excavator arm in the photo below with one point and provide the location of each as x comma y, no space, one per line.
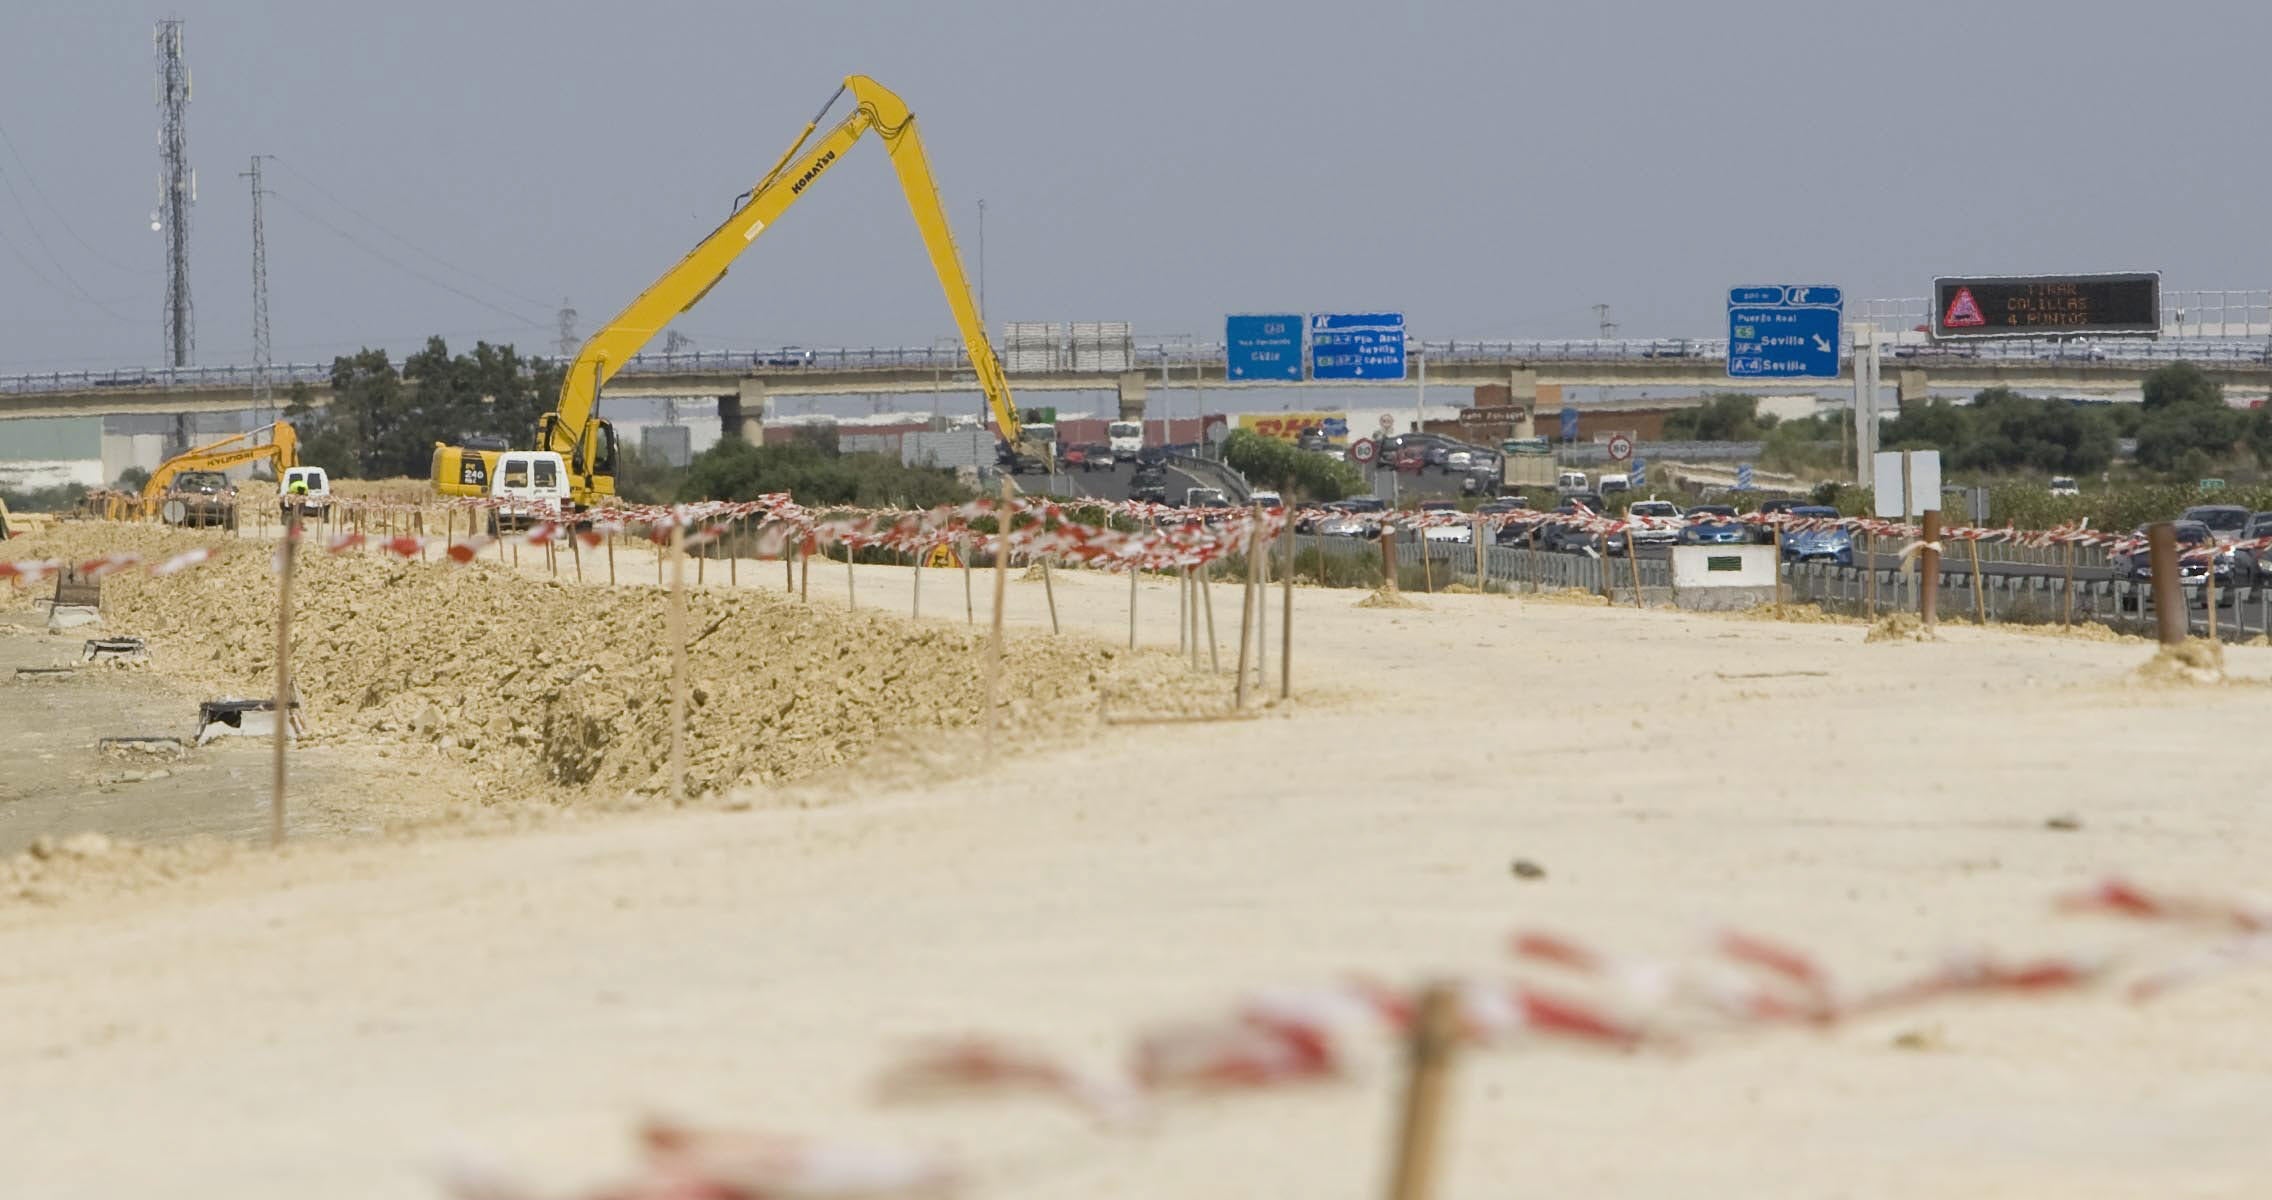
574,429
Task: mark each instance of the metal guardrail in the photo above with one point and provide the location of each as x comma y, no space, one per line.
1151,357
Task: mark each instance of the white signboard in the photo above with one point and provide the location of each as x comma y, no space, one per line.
1905,483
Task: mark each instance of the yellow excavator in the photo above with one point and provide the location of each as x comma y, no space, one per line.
574,430
204,495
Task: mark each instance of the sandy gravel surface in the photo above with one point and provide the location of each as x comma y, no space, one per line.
332,1021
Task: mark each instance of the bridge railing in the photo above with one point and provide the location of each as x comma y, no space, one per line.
1170,356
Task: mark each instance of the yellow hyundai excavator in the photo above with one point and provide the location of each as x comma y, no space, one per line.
574,430
212,501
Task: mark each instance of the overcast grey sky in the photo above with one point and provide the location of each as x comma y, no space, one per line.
1490,167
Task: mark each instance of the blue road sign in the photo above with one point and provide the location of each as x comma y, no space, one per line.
1743,477
1357,346
1569,424
1334,428
1265,346
1637,475
1784,331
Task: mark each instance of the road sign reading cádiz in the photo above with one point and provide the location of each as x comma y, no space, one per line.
1620,448
1362,450
1267,346
1784,331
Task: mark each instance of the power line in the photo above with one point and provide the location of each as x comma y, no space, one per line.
24,168
72,284
421,251
286,200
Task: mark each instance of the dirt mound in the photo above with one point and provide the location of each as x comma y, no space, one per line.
2192,661
1384,598
54,868
539,688
78,541
1571,596
1900,627
1457,589
1797,614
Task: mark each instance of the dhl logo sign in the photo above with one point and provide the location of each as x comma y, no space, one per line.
1290,426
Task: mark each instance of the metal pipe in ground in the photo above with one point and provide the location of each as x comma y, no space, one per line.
2169,600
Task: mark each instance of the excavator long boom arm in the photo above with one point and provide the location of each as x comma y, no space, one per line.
282,450
572,428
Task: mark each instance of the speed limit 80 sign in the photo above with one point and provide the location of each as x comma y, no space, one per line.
1620,448
1363,451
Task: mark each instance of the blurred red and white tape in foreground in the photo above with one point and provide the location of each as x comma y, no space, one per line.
1742,982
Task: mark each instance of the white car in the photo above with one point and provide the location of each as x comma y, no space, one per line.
2063,486
1655,522
1459,460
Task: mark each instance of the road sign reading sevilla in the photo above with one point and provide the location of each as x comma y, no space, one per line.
1784,331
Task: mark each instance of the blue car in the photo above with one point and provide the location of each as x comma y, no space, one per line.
1818,545
1713,525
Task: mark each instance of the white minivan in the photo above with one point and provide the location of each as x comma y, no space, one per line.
531,486
312,503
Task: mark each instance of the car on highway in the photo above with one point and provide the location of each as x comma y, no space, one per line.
1459,459
2234,568
1818,545
1267,500
2063,486
2225,521
1713,525
1073,456
1654,522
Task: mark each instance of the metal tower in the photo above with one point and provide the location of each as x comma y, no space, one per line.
568,339
262,400
177,190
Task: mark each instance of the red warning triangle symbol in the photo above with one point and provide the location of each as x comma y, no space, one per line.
1964,311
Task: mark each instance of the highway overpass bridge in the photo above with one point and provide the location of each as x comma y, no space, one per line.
743,381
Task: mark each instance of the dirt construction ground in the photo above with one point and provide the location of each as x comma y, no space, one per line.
338,1019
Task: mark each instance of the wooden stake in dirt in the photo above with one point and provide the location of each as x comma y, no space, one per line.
969,608
1133,572
1049,590
1427,565
1475,535
576,552
701,561
611,560
1633,561
2209,592
1262,550
733,555
1870,559
551,558
1246,599
1186,608
1778,531
851,593
1388,554
283,704
1207,605
917,612
678,662
1979,593
805,572
2068,598
2169,601
1286,628
1929,570
1435,1035
1001,593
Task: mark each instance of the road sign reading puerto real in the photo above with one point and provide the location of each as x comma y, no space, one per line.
1357,346
1264,346
1620,448
1784,331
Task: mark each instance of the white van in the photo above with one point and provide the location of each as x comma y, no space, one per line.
1571,481
314,502
1126,439
533,487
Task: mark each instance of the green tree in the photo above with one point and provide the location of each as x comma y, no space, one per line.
736,470
2186,427
1294,473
